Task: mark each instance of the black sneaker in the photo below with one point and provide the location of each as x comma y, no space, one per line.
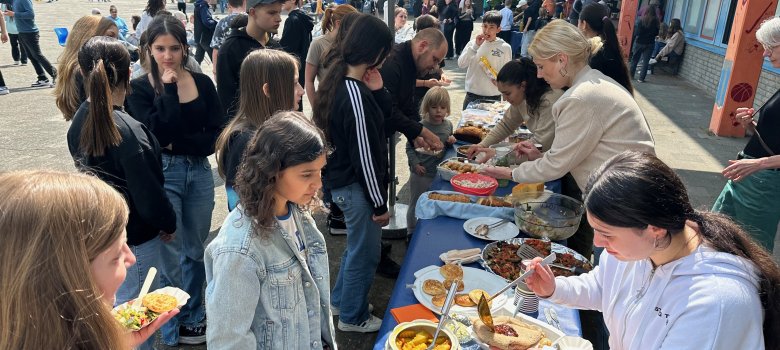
192,335
387,267
336,225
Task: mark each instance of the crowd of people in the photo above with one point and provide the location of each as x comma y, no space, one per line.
140,138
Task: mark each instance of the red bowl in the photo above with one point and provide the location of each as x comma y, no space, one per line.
474,178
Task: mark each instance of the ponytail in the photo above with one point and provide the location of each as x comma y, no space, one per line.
327,20
724,235
327,92
99,131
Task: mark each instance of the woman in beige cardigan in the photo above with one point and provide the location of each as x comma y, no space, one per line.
594,119
531,100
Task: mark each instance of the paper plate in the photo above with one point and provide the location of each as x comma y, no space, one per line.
472,279
574,343
180,295
505,231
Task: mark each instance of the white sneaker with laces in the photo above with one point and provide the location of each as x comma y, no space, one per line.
372,324
653,61
5,91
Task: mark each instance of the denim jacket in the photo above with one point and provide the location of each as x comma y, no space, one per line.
262,292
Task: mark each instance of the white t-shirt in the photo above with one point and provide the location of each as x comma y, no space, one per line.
288,224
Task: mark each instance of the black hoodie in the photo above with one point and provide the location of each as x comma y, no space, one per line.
233,51
296,38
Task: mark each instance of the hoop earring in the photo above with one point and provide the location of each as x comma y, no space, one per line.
563,72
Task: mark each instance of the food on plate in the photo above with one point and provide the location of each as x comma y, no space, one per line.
470,133
475,294
463,150
427,151
464,300
460,167
510,333
503,259
460,330
451,271
492,201
475,184
159,303
433,287
459,198
527,190
420,340
133,318
438,300
448,283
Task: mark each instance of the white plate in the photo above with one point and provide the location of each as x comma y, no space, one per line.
574,343
505,231
472,279
550,332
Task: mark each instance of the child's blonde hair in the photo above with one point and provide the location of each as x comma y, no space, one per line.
436,96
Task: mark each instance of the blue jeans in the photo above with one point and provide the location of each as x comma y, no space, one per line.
361,257
641,51
146,255
190,188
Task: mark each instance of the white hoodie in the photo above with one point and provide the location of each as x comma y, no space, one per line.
498,53
707,300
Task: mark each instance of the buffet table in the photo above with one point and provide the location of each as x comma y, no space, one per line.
436,236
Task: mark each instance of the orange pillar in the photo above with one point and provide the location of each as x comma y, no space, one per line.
626,23
737,85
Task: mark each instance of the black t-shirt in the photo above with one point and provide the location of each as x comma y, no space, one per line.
769,127
532,13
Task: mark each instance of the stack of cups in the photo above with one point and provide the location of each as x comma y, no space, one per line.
526,301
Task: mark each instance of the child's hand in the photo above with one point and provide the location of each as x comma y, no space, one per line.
451,139
480,39
373,79
419,169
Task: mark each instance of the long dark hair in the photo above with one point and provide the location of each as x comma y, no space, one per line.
674,27
524,70
162,25
154,6
346,23
650,18
286,140
634,190
597,17
353,50
105,64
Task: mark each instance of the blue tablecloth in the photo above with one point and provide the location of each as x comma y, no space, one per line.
436,236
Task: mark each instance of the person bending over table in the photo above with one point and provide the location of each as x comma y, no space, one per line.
671,277
531,100
595,119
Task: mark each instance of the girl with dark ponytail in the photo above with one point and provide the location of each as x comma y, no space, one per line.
670,276
595,24
107,142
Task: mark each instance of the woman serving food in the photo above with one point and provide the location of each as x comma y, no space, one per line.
671,277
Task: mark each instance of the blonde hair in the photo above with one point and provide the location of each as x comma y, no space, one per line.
65,91
560,36
334,14
273,67
768,33
54,224
436,96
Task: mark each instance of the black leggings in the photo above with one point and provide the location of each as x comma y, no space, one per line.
462,35
449,29
182,7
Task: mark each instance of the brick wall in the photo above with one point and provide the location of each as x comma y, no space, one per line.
702,69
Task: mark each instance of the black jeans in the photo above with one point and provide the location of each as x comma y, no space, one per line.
462,35
182,6
17,50
449,29
30,43
200,52
2,81
641,51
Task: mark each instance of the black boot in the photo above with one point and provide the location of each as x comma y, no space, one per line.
387,267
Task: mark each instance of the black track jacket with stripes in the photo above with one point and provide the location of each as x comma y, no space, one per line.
357,136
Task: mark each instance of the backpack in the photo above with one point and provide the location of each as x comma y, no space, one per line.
369,7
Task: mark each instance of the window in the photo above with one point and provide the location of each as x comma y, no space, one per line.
677,9
729,23
709,25
692,22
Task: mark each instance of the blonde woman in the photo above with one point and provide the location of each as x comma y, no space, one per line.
63,257
275,74
403,31
69,88
331,23
595,118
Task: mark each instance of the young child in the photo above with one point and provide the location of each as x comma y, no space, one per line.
267,269
434,109
484,57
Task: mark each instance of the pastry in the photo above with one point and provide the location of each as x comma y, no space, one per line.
470,134
451,271
510,333
459,198
433,287
528,190
475,294
464,300
438,300
493,202
448,283
159,303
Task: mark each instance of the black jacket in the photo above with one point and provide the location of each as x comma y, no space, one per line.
610,63
399,73
133,168
190,128
296,38
233,51
645,35
357,134
204,24
234,153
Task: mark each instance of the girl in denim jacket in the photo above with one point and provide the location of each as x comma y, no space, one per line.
267,270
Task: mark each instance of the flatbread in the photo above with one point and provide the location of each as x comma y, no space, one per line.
438,300
528,335
451,272
474,295
433,287
448,283
159,303
464,300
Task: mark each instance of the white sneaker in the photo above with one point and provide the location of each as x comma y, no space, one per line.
372,324
17,63
653,61
335,311
5,91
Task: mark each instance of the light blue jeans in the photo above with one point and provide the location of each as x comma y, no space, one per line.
146,255
190,188
361,257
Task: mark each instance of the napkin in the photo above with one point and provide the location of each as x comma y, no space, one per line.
461,256
413,312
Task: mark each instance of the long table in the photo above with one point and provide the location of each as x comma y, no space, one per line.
435,236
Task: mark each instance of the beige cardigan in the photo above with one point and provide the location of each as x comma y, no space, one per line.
541,123
595,119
